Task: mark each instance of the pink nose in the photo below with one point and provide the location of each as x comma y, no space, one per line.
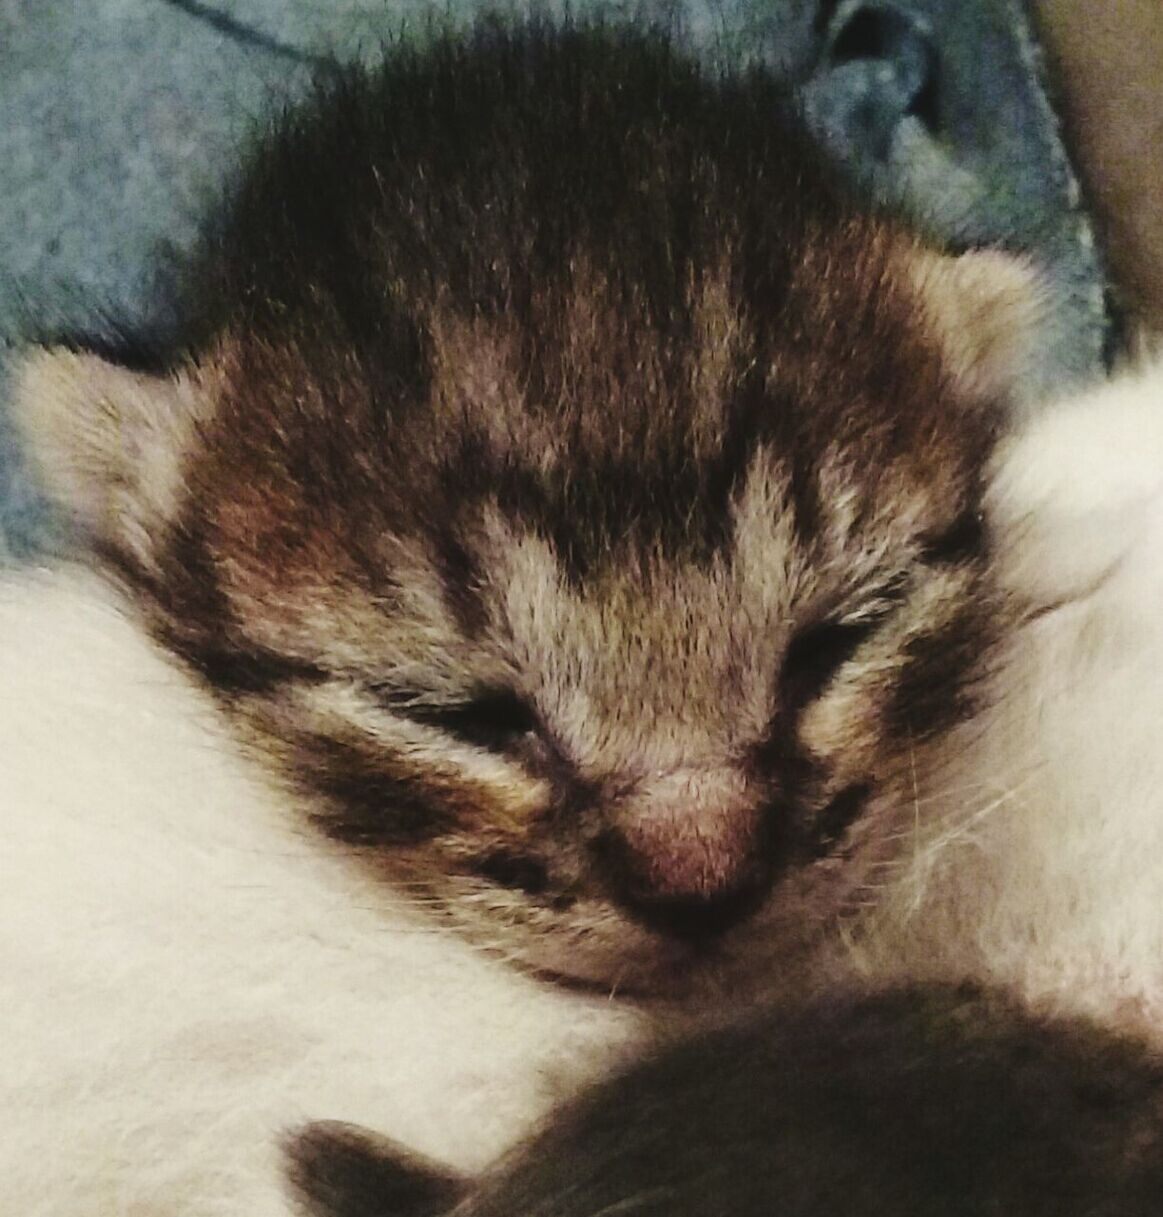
691,866
685,857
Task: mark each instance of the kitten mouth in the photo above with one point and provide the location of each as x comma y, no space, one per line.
602,987
662,969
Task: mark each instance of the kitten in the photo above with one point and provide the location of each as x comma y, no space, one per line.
573,500
571,496
911,1103
924,1100
188,973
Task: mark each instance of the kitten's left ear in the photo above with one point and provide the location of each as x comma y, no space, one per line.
989,311
341,1170
109,442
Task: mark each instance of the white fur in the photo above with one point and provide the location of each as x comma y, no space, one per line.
186,973
1041,864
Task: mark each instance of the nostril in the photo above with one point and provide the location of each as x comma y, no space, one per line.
695,917
683,901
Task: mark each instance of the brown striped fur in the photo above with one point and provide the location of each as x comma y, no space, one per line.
570,494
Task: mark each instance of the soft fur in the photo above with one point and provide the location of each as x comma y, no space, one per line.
1049,875
779,636
924,1102
570,495
188,974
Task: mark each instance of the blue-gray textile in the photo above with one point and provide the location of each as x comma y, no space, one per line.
121,117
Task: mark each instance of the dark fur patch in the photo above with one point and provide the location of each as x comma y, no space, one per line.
373,798
964,540
939,683
513,870
252,671
460,579
427,184
839,815
814,656
923,1100
138,348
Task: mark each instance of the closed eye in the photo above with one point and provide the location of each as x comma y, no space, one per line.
961,541
495,719
816,654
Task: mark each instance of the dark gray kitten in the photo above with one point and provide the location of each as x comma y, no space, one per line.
933,1102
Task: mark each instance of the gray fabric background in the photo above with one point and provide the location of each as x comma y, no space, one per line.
120,118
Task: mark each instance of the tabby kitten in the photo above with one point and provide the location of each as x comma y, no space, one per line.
570,495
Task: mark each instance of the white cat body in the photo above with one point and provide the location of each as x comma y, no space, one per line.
1038,862
187,972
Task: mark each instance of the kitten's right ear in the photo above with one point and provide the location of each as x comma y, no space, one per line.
341,1170
109,442
989,311
1077,488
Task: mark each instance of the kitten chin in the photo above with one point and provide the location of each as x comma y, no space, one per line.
576,510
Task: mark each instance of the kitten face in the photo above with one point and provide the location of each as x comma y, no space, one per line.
584,521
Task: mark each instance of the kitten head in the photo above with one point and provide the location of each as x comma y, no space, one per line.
569,495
